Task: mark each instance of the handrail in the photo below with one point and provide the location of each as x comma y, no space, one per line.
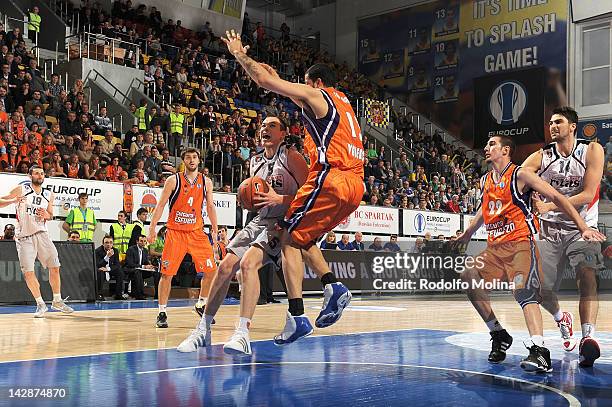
98,74
87,37
120,121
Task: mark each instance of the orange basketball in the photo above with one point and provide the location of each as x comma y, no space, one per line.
248,190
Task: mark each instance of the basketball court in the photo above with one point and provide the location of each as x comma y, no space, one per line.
429,350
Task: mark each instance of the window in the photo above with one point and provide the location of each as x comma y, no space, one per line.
595,64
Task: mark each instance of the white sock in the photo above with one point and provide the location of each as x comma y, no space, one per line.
162,308
205,322
201,299
538,340
244,324
57,297
40,301
494,325
558,316
588,330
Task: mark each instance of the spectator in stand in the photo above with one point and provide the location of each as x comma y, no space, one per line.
376,245
345,243
74,236
357,244
138,266
102,121
9,232
107,144
330,241
453,204
71,126
391,245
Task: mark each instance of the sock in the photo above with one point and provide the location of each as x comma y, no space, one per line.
588,330
244,324
494,325
328,278
162,308
57,297
296,306
39,301
538,340
205,322
558,316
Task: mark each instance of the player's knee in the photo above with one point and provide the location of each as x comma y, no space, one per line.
226,267
526,296
248,266
166,278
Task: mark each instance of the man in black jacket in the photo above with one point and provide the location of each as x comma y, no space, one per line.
107,263
138,266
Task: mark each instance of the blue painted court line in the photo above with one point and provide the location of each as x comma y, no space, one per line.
108,305
393,368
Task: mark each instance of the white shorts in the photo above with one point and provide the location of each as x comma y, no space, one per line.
258,232
38,245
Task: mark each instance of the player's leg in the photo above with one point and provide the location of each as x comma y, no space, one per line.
48,257
250,264
553,265
27,255
479,297
524,271
336,295
175,249
586,259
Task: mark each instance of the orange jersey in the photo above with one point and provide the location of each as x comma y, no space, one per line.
334,140
186,204
507,212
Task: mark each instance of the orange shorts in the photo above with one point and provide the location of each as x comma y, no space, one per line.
179,243
517,262
325,200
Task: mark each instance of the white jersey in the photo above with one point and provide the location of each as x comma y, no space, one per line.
276,172
27,222
566,175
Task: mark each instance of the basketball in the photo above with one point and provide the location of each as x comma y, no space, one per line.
248,189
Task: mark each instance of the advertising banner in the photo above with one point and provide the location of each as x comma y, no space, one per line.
371,219
418,223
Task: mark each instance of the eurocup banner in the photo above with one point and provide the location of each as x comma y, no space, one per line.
511,103
433,53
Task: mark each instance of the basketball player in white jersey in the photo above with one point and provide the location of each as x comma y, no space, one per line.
574,168
34,209
258,244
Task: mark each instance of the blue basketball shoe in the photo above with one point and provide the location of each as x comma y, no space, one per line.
295,328
336,298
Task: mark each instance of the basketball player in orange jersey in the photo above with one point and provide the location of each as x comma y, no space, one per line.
34,207
187,193
333,190
574,168
511,253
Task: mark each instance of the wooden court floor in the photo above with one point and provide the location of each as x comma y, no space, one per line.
23,337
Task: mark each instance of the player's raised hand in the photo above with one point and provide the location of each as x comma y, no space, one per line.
234,43
593,235
270,198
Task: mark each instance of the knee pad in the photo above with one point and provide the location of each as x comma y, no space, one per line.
525,296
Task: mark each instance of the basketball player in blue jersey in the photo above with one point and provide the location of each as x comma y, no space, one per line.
258,243
34,207
574,168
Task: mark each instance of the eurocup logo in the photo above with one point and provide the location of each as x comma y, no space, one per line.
508,102
420,223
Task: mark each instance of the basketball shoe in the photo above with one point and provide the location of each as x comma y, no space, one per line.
61,306
198,338
566,326
501,342
199,308
239,344
295,328
538,360
162,320
41,309
589,351
336,297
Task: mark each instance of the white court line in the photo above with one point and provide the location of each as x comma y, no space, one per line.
573,401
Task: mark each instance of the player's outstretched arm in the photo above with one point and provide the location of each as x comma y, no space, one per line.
592,179
211,209
169,186
13,197
530,180
267,78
